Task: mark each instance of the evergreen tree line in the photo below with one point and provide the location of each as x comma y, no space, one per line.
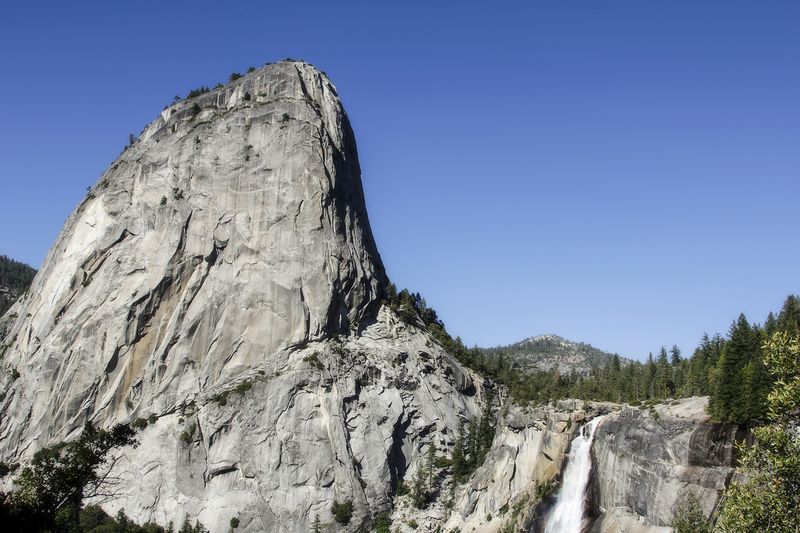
15,278
730,370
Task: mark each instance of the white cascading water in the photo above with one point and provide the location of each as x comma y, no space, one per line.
567,515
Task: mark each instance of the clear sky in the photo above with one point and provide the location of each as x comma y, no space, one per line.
622,173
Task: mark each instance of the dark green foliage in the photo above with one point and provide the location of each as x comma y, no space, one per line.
342,511
234,522
240,389
6,468
383,522
285,117
251,69
766,497
314,361
187,435
187,527
50,491
15,278
197,92
139,424
317,526
234,76
689,516
94,520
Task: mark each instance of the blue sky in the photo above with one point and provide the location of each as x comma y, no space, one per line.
622,173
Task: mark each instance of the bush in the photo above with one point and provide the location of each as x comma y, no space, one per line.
412,524
5,468
222,397
234,76
234,522
314,361
689,516
139,424
383,523
188,434
342,511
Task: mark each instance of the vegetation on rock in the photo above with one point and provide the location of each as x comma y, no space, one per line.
768,498
15,278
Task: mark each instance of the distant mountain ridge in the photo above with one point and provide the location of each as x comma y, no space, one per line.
15,278
549,352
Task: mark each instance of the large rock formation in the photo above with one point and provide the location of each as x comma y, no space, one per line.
220,287
648,460
221,280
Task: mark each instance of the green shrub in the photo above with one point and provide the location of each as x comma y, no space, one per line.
234,76
188,434
342,511
222,397
234,522
314,361
412,524
139,424
5,468
383,522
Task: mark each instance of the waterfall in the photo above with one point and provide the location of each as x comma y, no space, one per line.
567,515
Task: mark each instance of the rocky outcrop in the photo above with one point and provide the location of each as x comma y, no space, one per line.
220,286
647,460
234,227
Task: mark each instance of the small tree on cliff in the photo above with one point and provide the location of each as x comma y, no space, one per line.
689,516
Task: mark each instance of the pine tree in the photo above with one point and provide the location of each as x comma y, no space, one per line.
675,356
486,427
458,458
789,317
317,527
728,402
665,385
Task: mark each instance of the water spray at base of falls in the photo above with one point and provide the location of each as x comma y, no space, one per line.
567,515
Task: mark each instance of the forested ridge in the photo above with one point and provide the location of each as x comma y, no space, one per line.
15,278
729,369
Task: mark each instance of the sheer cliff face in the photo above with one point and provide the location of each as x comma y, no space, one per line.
221,282
234,227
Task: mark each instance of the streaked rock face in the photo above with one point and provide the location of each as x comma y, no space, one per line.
229,246
221,281
646,463
234,227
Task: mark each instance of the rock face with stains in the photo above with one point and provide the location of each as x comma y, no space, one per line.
647,461
221,280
